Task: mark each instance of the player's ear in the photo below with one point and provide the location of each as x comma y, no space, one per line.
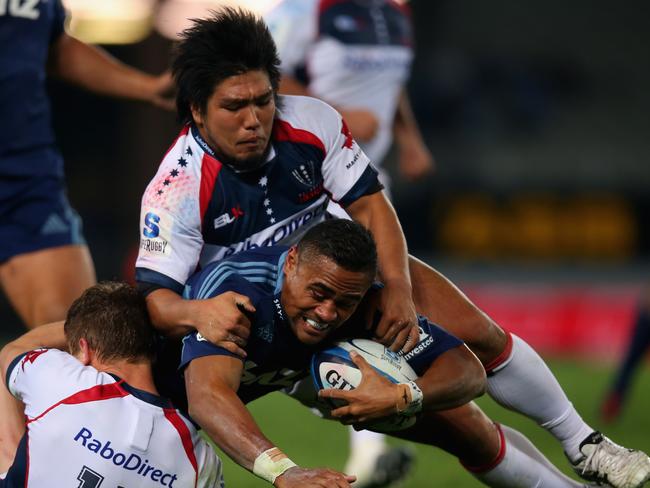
85,354
292,260
197,114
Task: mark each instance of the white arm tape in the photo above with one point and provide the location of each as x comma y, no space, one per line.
271,464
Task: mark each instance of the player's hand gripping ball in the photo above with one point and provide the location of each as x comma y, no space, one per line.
333,368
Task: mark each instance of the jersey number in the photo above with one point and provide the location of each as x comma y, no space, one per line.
26,9
89,478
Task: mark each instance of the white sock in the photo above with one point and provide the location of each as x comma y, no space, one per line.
523,466
3,475
524,383
365,447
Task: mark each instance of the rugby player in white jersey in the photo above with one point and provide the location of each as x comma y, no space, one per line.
251,168
93,417
356,55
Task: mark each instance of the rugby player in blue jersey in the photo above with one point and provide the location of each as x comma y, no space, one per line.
252,168
317,291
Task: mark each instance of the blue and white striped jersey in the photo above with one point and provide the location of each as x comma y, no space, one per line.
276,359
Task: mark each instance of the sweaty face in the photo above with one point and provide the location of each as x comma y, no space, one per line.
238,119
318,295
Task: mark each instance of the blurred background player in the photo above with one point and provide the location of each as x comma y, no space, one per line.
44,261
356,55
94,415
638,345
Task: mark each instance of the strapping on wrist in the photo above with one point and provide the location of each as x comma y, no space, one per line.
271,463
409,399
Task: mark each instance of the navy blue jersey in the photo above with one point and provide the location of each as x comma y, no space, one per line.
27,30
275,357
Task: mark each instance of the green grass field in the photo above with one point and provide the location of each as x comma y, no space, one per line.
310,441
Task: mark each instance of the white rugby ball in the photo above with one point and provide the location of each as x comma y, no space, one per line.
333,368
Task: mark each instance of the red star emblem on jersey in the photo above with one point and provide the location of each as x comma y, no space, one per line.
237,211
31,357
348,136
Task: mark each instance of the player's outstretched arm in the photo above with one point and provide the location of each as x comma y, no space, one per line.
222,320
453,379
212,383
398,311
94,69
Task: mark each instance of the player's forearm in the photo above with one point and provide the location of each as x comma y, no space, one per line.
211,383
452,380
230,426
170,314
94,69
377,214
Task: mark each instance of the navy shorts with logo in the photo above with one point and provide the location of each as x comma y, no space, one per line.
34,210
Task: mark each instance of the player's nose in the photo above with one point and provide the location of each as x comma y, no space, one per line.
326,311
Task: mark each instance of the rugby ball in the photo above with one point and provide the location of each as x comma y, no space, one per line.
333,368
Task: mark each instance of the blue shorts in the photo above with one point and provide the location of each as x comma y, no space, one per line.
34,210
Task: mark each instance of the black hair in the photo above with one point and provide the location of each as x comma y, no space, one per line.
347,243
112,317
230,42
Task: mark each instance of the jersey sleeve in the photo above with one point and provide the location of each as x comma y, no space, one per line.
347,172
196,346
210,472
210,282
434,341
43,377
293,24
170,222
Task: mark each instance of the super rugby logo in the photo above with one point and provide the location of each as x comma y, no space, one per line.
152,240
305,174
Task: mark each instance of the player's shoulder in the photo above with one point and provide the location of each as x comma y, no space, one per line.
254,273
184,152
261,255
42,358
308,113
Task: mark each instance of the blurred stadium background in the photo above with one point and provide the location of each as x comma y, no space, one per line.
537,114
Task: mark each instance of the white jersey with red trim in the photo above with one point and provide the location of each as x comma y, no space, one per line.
88,428
350,53
197,210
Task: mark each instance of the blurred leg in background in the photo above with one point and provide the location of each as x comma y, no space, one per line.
614,402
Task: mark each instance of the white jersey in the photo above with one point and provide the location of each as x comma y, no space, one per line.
354,54
197,210
88,428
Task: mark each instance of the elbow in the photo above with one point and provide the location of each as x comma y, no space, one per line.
197,411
